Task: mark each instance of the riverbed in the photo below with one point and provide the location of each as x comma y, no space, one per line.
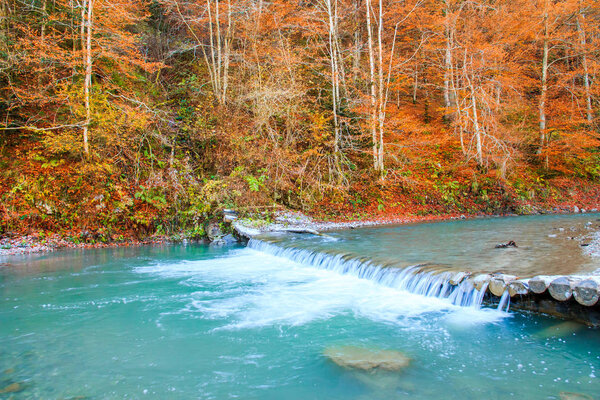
206,322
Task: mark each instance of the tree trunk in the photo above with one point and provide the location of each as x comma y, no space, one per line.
88,76
544,88
448,97
335,86
476,128
373,119
586,76
357,44
82,32
380,94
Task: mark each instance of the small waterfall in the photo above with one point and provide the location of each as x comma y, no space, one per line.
418,279
504,303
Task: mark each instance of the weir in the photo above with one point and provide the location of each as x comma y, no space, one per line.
459,288
422,279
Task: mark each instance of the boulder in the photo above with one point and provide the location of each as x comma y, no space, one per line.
365,359
230,239
213,231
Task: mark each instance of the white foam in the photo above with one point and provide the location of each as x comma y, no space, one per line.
249,289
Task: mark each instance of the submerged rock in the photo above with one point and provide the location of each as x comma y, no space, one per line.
365,359
563,329
12,388
574,396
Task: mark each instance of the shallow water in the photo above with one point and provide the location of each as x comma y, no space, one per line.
179,322
549,244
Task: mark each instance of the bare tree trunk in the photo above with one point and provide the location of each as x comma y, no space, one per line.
459,112
82,32
213,58
586,76
43,30
335,91
227,51
372,85
415,86
88,77
357,44
448,103
476,127
380,95
544,88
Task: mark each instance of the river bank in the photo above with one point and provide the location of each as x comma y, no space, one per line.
218,228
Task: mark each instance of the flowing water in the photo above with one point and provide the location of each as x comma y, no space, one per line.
549,244
180,322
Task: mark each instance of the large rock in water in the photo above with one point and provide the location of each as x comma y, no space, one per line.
574,396
213,231
365,359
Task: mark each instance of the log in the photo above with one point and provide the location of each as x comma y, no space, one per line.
497,286
539,284
481,280
458,278
498,283
518,287
586,292
560,288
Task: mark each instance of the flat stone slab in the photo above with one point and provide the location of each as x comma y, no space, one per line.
366,359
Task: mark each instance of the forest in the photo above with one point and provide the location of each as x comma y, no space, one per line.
141,117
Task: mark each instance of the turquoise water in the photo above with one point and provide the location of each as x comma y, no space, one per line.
548,244
198,322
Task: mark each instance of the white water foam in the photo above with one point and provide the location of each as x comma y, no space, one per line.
416,279
249,289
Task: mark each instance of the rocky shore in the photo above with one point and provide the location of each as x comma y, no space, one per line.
31,244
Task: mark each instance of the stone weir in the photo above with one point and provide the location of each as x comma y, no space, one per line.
574,297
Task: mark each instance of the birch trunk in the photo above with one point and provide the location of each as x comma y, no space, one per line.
544,87
88,76
380,94
586,76
372,84
476,128
82,32
335,91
